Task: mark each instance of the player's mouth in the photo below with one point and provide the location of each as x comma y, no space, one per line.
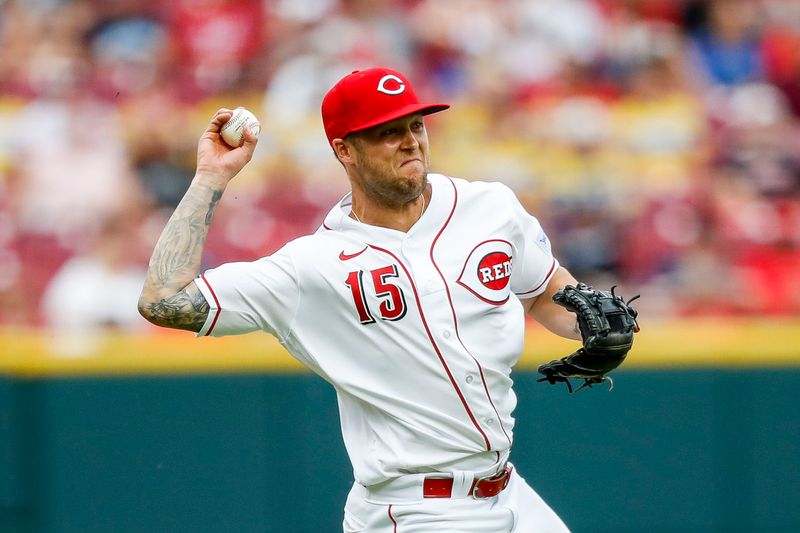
411,161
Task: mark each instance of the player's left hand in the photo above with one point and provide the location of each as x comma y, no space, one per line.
607,324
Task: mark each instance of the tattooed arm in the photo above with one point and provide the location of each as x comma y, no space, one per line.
169,298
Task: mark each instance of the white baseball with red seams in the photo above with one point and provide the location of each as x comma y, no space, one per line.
232,132
417,331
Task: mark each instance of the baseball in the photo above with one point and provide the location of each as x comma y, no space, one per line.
232,131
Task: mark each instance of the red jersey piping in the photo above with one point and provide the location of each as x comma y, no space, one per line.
435,347
391,517
216,303
539,286
455,319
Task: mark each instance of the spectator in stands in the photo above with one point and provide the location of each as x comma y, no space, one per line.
727,47
585,107
76,299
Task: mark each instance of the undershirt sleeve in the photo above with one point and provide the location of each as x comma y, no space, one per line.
251,296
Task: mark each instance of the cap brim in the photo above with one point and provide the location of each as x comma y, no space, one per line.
411,109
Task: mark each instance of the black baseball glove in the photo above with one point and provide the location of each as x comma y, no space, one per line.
607,324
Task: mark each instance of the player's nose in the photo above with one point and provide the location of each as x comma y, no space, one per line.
410,140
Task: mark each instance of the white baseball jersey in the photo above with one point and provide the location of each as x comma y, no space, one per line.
417,331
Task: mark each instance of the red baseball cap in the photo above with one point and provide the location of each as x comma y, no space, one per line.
366,98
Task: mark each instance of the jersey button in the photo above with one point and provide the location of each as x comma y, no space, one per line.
446,334
490,421
470,378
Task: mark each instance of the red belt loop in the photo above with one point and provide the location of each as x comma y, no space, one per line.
486,487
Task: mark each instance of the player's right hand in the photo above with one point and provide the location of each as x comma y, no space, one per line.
215,159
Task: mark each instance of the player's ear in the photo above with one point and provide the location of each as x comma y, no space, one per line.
343,150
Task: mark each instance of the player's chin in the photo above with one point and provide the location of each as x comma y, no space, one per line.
406,189
414,184
414,172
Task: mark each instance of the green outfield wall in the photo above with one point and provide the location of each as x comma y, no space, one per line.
248,447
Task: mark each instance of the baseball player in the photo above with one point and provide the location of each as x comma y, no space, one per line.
410,300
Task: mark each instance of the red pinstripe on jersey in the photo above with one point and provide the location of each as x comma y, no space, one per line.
216,303
391,517
435,347
453,310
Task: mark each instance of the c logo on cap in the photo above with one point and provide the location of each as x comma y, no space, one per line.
382,85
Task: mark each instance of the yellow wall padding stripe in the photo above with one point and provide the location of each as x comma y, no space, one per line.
668,344
703,342
35,353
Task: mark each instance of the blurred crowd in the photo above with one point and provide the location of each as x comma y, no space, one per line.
658,141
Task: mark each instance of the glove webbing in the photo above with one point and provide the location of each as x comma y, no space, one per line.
587,382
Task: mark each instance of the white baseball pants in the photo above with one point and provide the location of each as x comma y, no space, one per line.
518,509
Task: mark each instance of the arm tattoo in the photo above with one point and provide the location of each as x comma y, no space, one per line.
186,310
169,298
212,205
181,244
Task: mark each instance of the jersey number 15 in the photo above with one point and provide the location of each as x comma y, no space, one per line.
393,303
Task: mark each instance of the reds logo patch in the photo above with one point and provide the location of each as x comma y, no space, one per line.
487,271
494,270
